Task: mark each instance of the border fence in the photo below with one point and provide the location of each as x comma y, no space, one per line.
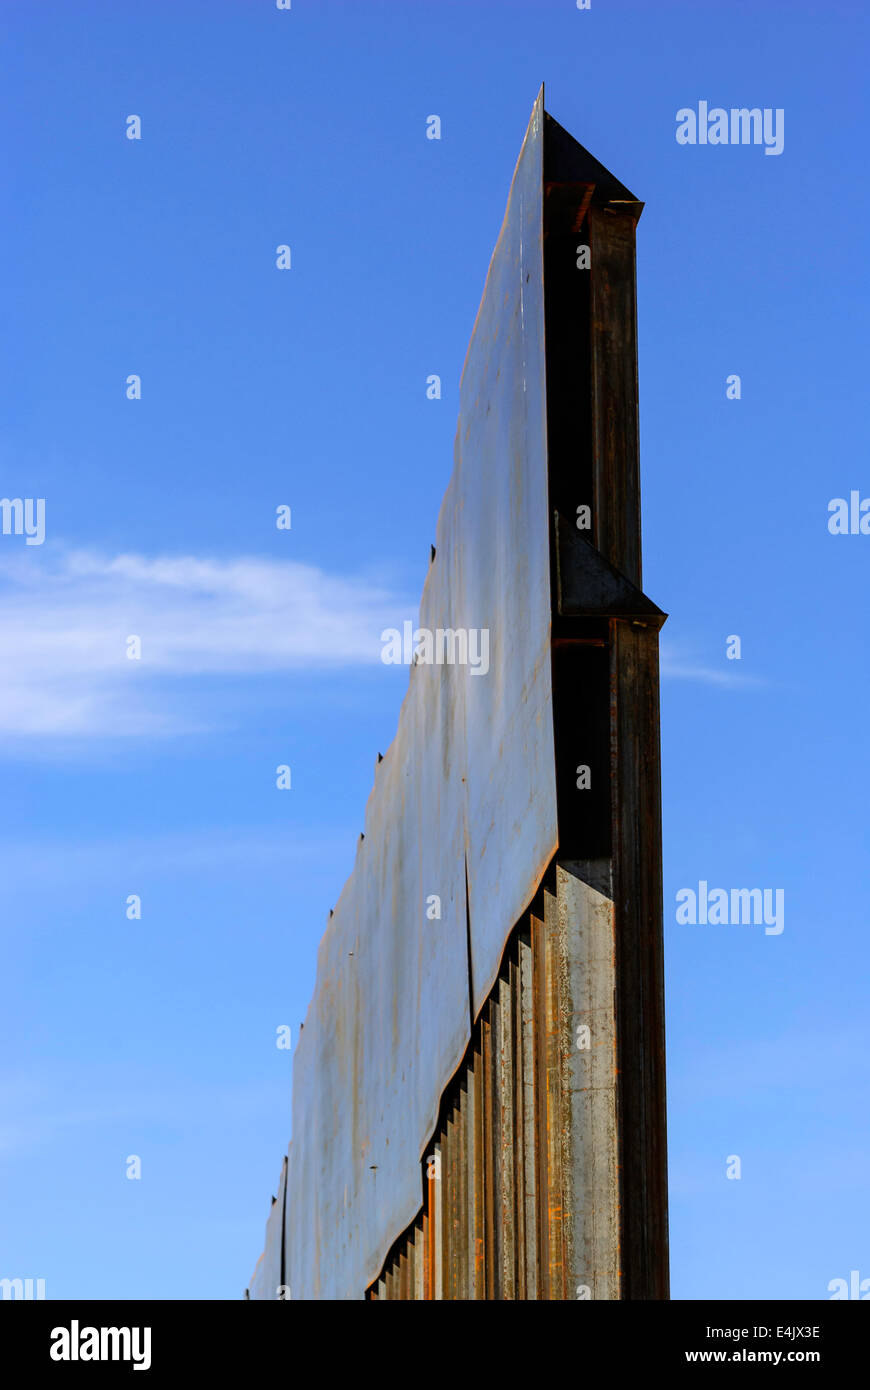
479,1088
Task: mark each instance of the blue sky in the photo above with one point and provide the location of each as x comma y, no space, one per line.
260,647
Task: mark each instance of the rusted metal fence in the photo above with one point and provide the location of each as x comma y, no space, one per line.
520,1186
478,1100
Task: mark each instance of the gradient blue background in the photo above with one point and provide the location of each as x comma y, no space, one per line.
262,127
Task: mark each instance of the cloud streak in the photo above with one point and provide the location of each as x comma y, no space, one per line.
675,666
65,620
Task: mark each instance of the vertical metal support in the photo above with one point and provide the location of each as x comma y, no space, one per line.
613,357
586,930
605,697
639,955
427,1243
419,1261
506,1092
435,1232
528,1178
478,1184
539,1045
553,1112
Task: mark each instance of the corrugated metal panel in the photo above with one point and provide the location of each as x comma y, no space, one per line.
539,1178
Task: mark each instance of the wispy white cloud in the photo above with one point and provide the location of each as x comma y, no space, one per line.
65,618
66,615
676,665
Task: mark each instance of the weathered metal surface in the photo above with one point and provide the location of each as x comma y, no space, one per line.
467,787
440,1055
537,1171
639,960
510,1170
527,1176
616,494
389,1019
504,576
588,585
585,932
606,685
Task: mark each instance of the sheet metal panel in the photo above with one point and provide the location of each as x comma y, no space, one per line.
389,1021
501,477
468,785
